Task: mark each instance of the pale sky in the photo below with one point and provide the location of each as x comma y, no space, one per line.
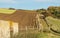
28,4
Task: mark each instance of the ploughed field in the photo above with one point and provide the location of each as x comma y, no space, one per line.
24,18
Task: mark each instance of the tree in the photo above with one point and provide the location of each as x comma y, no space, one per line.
55,11
12,8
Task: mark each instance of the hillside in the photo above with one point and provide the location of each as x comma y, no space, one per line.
28,18
23,17
51,20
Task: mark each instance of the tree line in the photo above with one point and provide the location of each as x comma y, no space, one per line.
53,11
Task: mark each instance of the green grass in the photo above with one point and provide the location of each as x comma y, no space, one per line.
27,34
54,23
6,11
36,35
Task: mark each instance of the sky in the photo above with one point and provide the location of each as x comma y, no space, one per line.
28,4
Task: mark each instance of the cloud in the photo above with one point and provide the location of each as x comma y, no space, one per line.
13,1
50,1
7,1
27,1
42,0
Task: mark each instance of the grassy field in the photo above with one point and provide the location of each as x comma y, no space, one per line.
6,11
54,23
36,35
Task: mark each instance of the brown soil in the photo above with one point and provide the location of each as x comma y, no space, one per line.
23,17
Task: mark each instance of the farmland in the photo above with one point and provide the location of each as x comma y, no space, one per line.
27,20
6,11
